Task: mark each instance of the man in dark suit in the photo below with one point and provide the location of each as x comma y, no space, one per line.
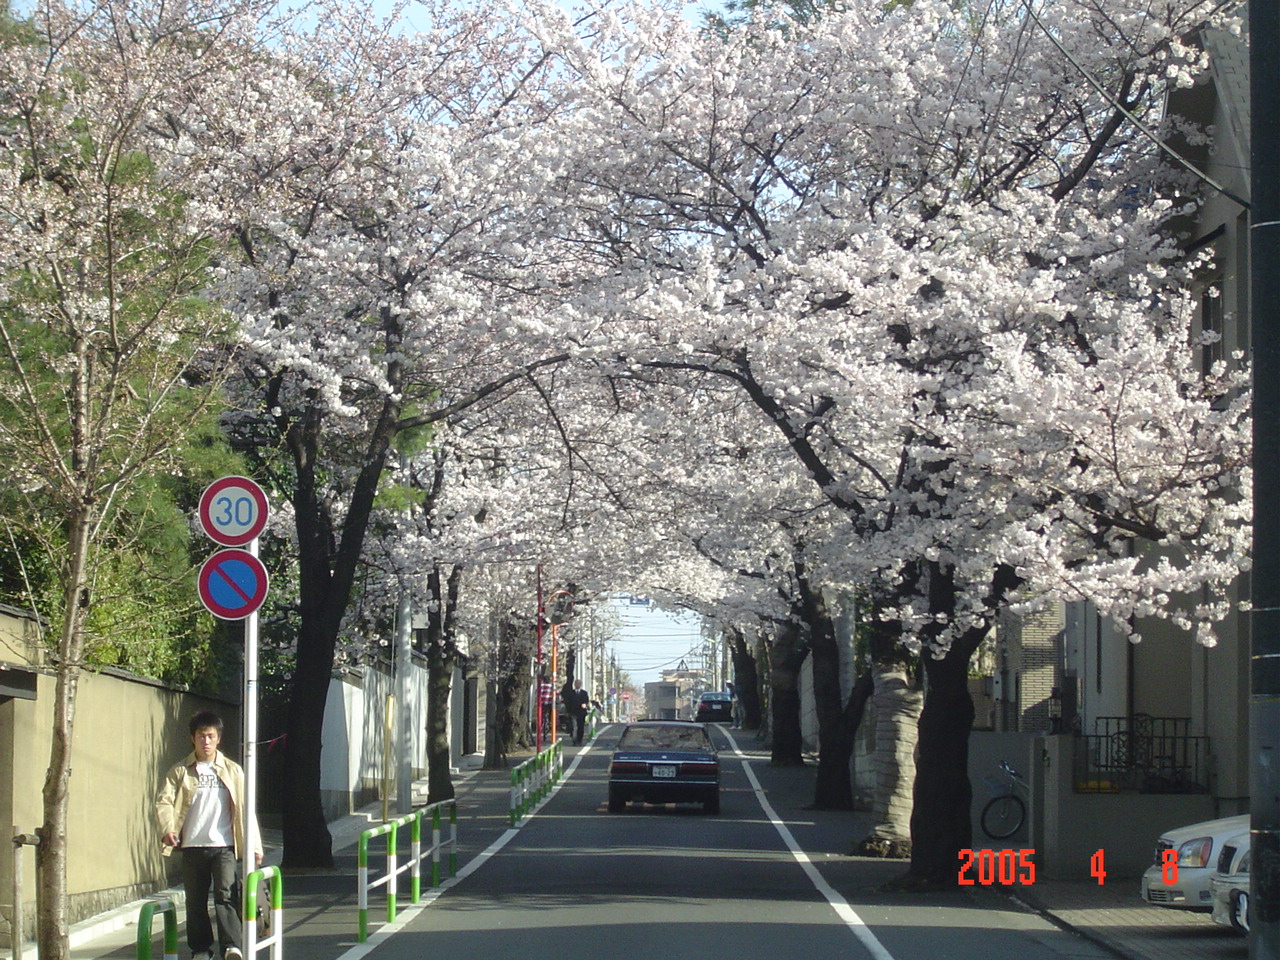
577,702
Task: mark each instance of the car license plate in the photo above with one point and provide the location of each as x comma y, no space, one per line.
664,770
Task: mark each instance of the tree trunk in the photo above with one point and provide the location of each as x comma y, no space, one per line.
440,663
940,823
442,656
940,820
786,656
307,841
51,853
509,693
746,680
833,788
850,720
897,704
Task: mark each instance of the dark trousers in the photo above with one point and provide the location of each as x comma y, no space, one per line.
579,721
203,869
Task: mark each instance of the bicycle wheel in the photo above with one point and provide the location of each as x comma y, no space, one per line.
1002,816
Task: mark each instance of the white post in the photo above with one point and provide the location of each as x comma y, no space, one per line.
250,697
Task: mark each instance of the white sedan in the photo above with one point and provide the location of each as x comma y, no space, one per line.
1185,859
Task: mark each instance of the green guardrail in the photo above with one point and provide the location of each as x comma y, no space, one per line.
145,918
274,940
391,830
533,779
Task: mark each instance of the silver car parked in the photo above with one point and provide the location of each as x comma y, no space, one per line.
1230,884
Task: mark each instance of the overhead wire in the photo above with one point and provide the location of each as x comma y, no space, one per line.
1128,115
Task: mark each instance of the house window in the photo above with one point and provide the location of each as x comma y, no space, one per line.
1211,322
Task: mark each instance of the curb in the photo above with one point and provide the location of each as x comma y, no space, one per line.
1032,905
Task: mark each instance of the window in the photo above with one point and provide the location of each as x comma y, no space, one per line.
1211,323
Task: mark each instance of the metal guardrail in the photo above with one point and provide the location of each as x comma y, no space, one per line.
274,940
1143,754
391,831
145,918
533,779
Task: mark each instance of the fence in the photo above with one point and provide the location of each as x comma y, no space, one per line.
533,779
274,940
391,830
1143,754
145,918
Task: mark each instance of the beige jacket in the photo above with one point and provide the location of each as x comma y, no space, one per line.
179,787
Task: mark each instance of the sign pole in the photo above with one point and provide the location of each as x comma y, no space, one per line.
232,584
250,755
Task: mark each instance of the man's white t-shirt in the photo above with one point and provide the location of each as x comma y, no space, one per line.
208,822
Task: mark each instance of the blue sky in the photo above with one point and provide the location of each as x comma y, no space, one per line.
652,640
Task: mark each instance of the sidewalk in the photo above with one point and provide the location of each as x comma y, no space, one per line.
320,906
1115,917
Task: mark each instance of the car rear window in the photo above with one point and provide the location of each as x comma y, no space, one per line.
659,737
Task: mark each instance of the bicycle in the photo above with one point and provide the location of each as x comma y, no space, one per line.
1005,812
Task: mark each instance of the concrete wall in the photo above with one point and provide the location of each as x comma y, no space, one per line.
351,760
128,730
986,750
1071,827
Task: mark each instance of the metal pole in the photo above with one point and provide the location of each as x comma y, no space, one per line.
250,697
404,669
555,678
1264,274
538,629
17,935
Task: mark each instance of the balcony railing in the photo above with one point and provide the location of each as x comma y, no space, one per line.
1141,754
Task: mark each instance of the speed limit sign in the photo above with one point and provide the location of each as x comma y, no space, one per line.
233,511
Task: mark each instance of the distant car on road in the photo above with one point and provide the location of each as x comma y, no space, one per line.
714,708
1195,850
1229,884
664,761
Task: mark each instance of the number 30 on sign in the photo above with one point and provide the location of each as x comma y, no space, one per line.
233,511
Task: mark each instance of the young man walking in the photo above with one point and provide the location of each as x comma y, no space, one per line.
200,810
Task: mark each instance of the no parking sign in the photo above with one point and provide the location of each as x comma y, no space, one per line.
232,584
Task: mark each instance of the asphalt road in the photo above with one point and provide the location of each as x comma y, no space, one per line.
672,883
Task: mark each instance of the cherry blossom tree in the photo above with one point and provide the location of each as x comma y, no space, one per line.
386,218
892,230
110,357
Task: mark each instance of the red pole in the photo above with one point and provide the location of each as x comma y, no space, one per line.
538,629
555,678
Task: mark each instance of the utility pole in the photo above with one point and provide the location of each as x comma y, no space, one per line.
404,720
1264,285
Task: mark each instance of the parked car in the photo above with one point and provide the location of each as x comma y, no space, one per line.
714,708
1195,852
664,761
1229,884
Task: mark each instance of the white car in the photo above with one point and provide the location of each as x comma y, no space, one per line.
1184,861
1230,884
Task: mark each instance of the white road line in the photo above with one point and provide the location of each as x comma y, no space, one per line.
430,896
838,903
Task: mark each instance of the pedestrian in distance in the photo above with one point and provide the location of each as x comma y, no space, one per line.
577,702
200,810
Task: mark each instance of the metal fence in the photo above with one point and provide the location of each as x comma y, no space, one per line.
1142,754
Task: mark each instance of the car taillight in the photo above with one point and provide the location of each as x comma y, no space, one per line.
700,769
628,766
